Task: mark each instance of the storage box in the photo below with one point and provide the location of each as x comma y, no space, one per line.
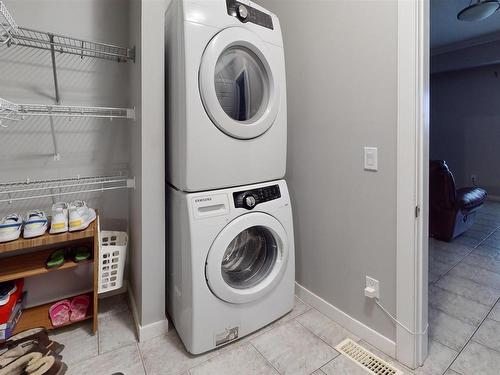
6,310
7,329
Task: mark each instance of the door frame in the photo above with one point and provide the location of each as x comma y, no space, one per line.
412,181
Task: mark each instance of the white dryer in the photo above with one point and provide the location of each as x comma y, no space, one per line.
231,263
226,95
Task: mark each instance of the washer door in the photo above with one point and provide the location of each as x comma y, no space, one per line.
237,84
247,259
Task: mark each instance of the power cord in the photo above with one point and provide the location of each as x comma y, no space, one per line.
399,323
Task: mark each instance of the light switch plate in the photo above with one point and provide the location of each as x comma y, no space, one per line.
371,159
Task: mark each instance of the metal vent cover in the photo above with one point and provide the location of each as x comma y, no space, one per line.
363,358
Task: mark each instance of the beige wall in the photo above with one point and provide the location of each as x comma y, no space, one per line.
341,61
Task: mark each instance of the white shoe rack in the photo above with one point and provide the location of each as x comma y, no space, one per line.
13,35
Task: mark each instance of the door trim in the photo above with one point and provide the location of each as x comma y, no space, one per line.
412,186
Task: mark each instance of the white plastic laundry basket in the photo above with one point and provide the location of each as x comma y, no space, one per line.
112,257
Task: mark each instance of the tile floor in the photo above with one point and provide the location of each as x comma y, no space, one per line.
464,318
299,343
464,292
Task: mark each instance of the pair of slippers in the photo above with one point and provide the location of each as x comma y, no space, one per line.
39,335
35,363
58,257
31,358
66,311
31,352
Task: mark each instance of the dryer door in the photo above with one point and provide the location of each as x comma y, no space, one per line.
237,85
247,259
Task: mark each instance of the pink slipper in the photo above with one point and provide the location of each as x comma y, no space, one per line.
59,313
79,307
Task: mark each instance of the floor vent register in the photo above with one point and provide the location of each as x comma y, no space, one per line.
365,359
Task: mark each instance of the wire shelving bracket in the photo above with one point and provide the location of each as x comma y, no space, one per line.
26,190
7,24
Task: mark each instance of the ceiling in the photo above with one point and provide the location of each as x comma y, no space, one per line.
446,29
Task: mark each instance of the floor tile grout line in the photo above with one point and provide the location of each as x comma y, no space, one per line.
249,341
472,281
468,299
327,343
484,345
481,267
488,236
319,337
330,361
472,265
469,253
141,357
447,346
460,261
307,329
263,356
469,340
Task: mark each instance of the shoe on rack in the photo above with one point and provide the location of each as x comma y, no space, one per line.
36,224
80,216
10,227
59,220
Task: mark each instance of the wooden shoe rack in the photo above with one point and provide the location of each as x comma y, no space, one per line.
24,258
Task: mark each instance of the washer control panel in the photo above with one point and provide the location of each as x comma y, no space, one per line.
250,198
245,13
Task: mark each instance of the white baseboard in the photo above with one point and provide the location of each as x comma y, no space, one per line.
150,330
359,329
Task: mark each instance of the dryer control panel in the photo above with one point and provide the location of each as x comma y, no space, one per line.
245,13
250,198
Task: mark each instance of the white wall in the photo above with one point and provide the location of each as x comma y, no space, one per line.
86,146
341,61
148,155
465,124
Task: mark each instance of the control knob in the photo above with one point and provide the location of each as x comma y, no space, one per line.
242,12
249,201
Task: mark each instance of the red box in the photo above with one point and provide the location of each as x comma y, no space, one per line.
6,309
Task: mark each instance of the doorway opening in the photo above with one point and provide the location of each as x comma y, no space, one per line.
464,189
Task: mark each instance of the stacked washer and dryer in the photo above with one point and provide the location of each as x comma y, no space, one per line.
231,264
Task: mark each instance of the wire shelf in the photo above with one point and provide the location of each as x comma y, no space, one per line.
12,111
11,34
26,190
64,44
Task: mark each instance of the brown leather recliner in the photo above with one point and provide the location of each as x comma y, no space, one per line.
452,211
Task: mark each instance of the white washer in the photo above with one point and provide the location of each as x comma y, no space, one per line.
231,262
226,95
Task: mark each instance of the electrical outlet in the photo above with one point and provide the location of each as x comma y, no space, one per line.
372,288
